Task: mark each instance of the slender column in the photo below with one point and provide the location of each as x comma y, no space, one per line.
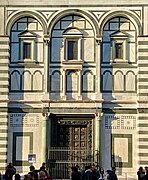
46,67
80,85
45,130
98,67
97,132
64,85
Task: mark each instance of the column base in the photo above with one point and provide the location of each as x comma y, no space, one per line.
64,98
80,97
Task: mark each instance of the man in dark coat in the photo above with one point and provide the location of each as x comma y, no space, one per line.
10,171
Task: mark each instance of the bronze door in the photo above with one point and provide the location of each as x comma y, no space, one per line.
72,145
76,135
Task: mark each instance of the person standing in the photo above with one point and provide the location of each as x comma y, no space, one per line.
112,174
10,171
101,172
33,172
75,175
140,173
145,177
43,168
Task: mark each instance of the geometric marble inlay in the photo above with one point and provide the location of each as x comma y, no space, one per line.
22,119
120,122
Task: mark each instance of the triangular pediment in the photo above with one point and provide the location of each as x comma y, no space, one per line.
119,34
27,34
72,30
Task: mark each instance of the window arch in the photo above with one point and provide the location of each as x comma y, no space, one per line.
88,81
15,81
130,81
56,81
119,34
37,81
107,81
118,81
25,38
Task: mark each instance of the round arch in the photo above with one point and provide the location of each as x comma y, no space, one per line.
60,14
20,14
124,13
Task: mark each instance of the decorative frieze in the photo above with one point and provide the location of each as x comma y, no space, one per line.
25,120
120,122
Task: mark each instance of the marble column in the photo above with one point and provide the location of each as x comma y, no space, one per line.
80,85
97,132
98,67
64,85
46,131
46,67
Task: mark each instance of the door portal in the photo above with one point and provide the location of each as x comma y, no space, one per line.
72,144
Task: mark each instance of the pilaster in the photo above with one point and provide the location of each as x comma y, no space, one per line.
46,67
97,132
4,84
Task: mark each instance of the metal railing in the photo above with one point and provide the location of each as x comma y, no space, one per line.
60,160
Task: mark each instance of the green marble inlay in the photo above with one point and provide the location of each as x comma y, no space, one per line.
143,125
3,160
3,93
143,154
3,153
4,71
143,86
143,50
143,162
4,43
142,94
3,138
4,116
143,118
2,168
21,134
143,65
3,131
4,86
142,80
143,57
3,123
143,43
120,163
3,146
3,109
143,132
4,57
4,50
143,110
143,139
142,72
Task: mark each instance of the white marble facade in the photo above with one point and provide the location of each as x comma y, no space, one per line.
106,80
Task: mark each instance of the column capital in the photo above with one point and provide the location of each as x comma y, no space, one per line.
46,39
99,115
99,39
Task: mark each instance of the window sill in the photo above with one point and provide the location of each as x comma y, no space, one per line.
72,61
118,61
72,64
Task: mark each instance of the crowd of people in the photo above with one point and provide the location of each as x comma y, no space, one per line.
92,173
89,173
33,174
142,173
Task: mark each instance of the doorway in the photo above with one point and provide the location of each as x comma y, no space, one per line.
71,145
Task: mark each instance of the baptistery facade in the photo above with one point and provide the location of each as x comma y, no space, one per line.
73,85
